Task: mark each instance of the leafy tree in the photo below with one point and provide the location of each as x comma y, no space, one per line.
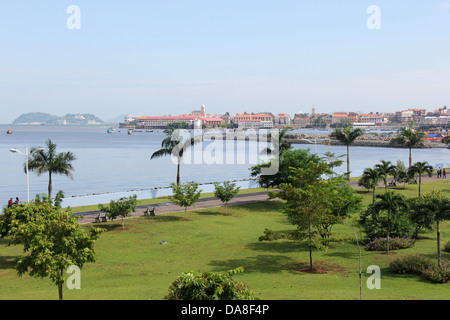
409,138
172,145
421,168
51,162
298,158
226,192
401,174
52,240
185,195
370,179
119,208
436,208
305,201
209,286
347,136
392,203
341,200
385,168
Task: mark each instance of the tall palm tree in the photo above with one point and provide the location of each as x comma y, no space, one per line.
171,145
409,138
391,203
370,179
437,208
421,168
385,168
347,136
51,162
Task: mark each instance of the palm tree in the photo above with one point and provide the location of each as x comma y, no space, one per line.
437,208
391,203
347,136
283,144
409,138
51,162
370,179
385,168
421,168
171,145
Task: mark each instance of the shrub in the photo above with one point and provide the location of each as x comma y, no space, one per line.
209,286
379,244
376,226
419,265
447,246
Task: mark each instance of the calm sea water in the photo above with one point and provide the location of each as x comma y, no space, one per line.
109,166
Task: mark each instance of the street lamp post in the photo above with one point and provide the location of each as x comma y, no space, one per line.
26,165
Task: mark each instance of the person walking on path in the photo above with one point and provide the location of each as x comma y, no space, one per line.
444,174
10,203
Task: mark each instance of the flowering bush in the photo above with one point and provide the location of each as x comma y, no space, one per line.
379,244
416,264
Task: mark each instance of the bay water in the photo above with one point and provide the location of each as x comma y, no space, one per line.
114,165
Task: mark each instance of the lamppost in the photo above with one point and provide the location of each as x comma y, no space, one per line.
26,165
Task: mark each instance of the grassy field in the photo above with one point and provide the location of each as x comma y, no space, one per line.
132,264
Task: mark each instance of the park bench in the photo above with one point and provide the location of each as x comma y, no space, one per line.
100,217
149,212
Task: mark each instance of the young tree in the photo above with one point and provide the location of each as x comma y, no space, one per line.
185,195
52,240
421,168
226,192
173,145
305,200
119,208
347,136
48,161
409,138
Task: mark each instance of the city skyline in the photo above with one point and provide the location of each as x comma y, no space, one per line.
156,58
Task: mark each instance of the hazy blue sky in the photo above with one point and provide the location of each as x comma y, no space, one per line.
170,57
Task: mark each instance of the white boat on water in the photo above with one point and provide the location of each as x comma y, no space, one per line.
130,131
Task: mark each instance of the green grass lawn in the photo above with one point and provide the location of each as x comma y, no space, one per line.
132,264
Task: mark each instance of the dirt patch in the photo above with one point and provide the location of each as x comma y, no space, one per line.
319,267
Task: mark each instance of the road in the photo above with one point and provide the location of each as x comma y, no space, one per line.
203,203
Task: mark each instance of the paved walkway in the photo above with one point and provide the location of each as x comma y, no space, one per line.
170,207
211,202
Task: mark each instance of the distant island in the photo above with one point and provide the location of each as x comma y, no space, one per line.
39,118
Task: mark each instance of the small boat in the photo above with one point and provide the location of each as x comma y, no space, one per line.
130,131
110,130
9,132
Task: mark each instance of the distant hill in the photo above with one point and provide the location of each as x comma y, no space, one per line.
50,119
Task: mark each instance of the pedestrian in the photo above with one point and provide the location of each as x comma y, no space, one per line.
17,201
438,173
444,173
10,203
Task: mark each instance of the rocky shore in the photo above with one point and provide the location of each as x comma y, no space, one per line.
367,140
372,139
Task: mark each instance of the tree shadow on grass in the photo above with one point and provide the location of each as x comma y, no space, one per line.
8,262
255,264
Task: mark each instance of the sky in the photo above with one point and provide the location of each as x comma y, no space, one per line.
169,57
